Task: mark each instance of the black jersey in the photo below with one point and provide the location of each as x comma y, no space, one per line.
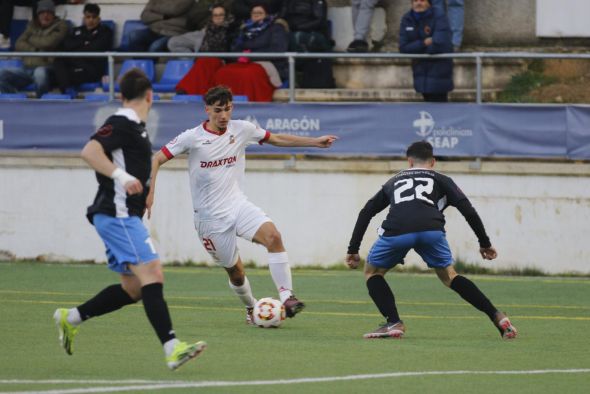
417,198
126,143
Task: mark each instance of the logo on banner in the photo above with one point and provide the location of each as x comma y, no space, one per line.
444,137
301,126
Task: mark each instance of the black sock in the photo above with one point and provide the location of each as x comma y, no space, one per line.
157,311
383,297
470,293
108,300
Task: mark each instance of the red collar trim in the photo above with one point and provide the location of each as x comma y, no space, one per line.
211,131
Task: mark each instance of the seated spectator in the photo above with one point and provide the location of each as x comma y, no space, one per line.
240,9
215,37
264,33
200,13
362,15
255,79
308,25
92,36
44,33
7,10
425,29
165,19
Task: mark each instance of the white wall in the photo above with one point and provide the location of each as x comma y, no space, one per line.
534,221
563,18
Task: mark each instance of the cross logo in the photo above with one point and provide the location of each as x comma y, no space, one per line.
425,124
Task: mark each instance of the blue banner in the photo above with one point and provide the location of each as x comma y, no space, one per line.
380,129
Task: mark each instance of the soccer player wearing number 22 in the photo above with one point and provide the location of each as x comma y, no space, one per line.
417,197
222,211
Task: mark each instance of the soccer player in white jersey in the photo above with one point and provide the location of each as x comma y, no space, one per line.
222,211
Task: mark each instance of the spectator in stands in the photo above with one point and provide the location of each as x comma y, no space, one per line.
255,79
308,25
7,10
425,29
92,36
165,19
264,33
362,14
215,37
44,33
455,13
200,13
240,9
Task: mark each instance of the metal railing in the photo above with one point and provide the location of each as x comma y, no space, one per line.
292,56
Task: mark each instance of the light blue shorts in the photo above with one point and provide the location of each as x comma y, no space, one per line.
432,246
127,241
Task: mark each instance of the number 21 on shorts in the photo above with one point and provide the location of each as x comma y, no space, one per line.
208,244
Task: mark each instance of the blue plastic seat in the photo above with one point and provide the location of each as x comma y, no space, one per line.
129,26
188,98
156,97
13,96
11,63
242,99
96,97
88,87
56,96
174,71
145,65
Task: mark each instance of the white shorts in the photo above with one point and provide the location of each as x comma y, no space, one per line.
219,237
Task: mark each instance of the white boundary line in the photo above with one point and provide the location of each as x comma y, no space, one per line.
141,385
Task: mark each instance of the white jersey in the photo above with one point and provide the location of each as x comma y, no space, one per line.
217,164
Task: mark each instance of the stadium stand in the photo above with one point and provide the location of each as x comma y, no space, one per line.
103,97
146,65
56,96
173,73
129,26
13,96
188,98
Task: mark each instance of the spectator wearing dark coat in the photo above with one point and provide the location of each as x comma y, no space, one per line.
308,25
44,33
92,36
425,29
264,33
240,9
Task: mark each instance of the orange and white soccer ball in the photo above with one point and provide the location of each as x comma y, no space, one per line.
268,313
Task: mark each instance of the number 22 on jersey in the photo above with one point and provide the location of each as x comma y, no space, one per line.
410,188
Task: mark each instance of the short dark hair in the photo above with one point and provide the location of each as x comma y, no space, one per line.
420,150
92,8
134,84
220,93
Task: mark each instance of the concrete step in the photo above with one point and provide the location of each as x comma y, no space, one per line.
376,95
397,73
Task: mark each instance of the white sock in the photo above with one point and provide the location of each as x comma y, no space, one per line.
244,293
74,317
169,346
278,264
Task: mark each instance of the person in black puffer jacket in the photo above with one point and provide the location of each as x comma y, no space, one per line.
425,29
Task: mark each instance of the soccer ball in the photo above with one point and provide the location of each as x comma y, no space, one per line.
268,313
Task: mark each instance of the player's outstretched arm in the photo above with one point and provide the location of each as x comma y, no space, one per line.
488,253
93,154
157,161
288,140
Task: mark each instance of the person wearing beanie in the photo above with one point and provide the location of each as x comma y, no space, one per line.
44,33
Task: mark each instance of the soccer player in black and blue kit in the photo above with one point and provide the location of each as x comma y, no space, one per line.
417,197
120,152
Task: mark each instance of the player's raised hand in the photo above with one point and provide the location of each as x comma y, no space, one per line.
326,141
353,260
488,253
